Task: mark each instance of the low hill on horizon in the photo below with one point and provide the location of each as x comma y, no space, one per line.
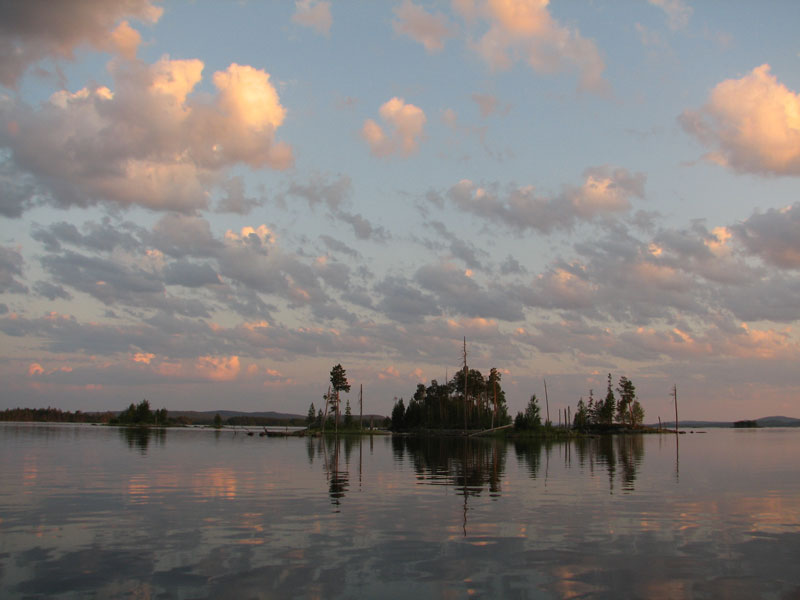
775,421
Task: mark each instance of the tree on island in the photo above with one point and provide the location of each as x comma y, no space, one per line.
311,416
217,421
339,383
348,415
444,406
140,414
530,419
608,406
626,411
581,419
398,416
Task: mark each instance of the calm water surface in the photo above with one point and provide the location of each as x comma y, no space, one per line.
102,512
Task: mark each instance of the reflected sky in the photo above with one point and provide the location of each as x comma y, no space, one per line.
195,514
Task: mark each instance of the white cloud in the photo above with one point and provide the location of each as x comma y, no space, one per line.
405,123
315,14
752,124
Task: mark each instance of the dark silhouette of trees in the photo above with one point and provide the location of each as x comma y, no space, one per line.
140,414
531,419
611,412
444,406
339,383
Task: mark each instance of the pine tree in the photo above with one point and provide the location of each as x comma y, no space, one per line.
609,405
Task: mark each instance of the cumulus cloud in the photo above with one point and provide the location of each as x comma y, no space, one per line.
430,30
605,191
405,123
32,31
751,124
315,14
525,29
150,142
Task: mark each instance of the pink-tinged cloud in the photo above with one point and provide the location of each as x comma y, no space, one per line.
405,123
150,142
33,31
218,368
143,357
315,14
35,369
525,29
389,372
751,124
430,30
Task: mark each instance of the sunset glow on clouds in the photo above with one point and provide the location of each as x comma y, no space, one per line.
212,220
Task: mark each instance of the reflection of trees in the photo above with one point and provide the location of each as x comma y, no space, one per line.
630,449
617,453
140,437
469,465
337,474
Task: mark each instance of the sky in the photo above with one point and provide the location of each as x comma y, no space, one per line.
210,204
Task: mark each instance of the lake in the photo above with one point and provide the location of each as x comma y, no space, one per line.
101,512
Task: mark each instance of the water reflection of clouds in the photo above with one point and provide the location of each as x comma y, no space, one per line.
265,526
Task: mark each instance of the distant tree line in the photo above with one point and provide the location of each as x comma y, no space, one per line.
55,415
468,401
248,420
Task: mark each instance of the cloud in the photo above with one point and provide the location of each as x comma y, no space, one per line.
678,13
33,31
235,200
218,368
430,30
460,294
51,291
319,190
605,191
525,29
751,124
487,104
11,263
151,142
315,14
184,235
405,122
774,236
402,301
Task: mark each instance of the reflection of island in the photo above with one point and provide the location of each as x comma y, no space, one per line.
140,437
468,465
623,452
